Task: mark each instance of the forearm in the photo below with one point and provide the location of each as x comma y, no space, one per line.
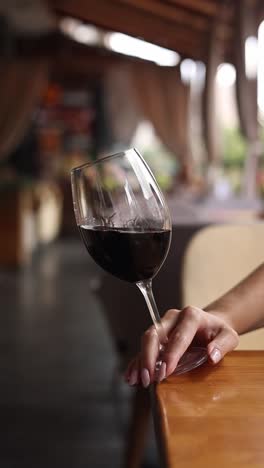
243,306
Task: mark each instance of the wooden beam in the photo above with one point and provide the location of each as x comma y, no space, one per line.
181,18
170,13
207,7
184,19
260,11
123,18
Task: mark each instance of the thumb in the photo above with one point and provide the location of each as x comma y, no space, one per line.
226,340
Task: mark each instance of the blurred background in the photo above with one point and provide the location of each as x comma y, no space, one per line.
183,82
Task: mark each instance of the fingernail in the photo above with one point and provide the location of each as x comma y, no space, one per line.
145,378
215,355
162,372
133,377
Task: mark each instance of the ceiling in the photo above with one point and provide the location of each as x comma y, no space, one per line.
185,26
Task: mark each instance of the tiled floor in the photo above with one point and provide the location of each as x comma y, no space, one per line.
56,367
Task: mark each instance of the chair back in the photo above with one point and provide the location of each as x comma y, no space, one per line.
216,259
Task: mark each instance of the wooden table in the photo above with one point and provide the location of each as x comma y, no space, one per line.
213,417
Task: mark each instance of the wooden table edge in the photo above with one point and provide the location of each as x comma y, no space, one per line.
159,426
159,418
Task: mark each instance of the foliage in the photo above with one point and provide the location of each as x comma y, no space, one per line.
234,148
162,164
234,154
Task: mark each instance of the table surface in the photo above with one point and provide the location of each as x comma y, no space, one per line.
213,416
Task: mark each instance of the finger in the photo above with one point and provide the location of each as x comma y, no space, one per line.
132,371
170,319
226,340
128,369
150,347
181,338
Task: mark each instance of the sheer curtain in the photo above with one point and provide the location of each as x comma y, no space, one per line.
164,100
21,83
121,107
141,90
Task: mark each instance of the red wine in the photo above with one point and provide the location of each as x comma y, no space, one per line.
130,255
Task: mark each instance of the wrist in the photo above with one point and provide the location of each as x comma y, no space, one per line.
225,316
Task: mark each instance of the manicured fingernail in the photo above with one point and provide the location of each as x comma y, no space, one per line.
162,372
145,378
215,355
133,377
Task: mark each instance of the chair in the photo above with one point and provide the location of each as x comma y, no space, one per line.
216,259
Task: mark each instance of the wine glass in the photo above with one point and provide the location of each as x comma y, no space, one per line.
125,225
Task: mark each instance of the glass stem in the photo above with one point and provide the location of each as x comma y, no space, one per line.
146,289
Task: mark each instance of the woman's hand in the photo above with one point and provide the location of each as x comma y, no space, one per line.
182,328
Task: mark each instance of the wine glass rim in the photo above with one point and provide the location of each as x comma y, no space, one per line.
103,159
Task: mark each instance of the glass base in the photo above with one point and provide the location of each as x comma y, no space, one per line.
192,358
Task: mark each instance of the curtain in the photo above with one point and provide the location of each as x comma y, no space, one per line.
164,100
210,127
144,91
120,105
246,91
21,83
